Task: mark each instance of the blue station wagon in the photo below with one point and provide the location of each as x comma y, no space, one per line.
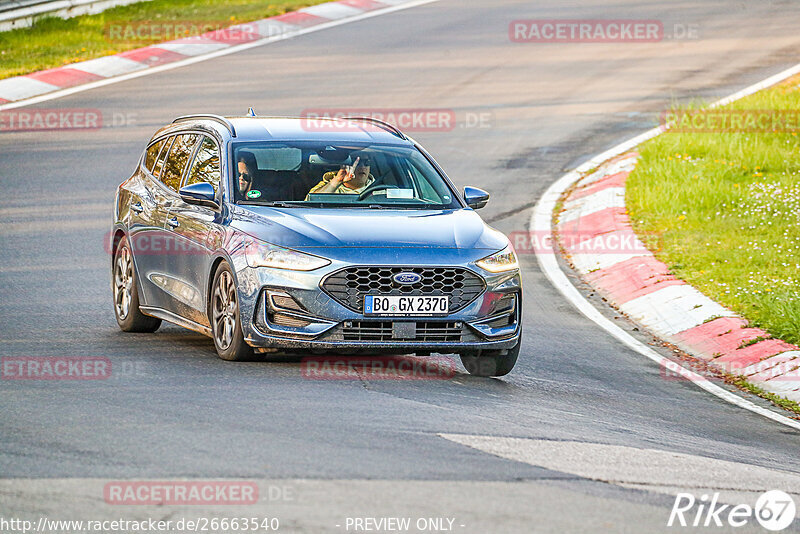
291,235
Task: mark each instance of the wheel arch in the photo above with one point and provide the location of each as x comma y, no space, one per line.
212,272
117,235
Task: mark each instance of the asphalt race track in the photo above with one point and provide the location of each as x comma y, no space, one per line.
348,448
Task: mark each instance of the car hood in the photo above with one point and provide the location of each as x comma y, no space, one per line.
303,228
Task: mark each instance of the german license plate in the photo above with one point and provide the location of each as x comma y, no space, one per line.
404,305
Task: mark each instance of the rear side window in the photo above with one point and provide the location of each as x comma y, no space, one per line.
152,154
278,158
205,167
177,159
162,156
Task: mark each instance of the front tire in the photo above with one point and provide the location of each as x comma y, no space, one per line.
126,293
492,363
226,326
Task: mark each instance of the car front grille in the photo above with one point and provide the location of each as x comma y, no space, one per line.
349,286
425,331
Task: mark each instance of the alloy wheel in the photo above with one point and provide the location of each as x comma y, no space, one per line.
224,310
123,283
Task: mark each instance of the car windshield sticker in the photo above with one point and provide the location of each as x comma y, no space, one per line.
399,193
255,193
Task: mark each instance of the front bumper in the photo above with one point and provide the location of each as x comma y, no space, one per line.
321,323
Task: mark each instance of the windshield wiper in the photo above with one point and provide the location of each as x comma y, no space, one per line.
277,204
406,207
348,205
280,204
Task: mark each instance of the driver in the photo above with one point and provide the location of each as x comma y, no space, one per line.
344,182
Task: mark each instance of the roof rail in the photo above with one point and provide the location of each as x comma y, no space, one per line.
379,122
222,120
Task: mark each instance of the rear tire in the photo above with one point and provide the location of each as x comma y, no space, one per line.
492,363
126,293
226,325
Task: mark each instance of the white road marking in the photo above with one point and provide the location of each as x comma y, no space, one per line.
190,48
270,28
17,87
769,363
646,469
109,66
331,11
541,223
793,395
612,197
586,263
673,309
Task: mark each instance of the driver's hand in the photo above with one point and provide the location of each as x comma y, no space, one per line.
342,176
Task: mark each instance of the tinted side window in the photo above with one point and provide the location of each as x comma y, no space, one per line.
152,154
162,156
206,164
177,160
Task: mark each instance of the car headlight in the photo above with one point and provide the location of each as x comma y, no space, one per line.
500,262
268,255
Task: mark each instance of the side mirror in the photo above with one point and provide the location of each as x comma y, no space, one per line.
200,194
475,198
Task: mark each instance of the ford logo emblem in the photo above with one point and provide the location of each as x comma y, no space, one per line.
407,279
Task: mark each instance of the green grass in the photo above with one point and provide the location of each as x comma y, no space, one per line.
54,42
722,210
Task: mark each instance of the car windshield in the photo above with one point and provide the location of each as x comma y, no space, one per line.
305,174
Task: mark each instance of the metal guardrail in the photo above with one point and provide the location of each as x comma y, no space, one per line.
21,13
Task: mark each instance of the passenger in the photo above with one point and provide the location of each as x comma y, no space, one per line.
344,182
246,166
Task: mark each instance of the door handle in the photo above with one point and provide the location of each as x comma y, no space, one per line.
173,222
137,207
